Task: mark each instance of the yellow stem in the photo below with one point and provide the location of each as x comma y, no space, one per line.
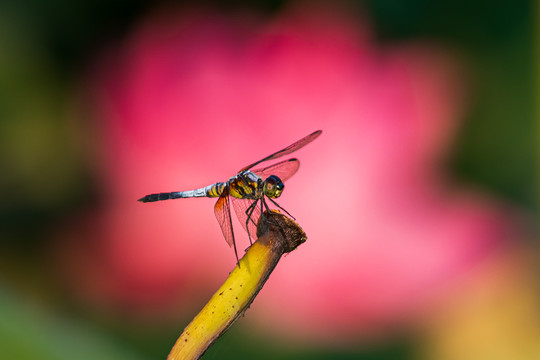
277,235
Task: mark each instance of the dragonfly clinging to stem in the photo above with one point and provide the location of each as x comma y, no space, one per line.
246,190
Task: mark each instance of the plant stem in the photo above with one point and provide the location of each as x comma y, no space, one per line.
277,234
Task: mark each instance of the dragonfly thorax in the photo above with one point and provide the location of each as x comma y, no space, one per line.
246,185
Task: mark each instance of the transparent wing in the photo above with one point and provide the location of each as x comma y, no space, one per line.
289,149
222,210
284,170
248,213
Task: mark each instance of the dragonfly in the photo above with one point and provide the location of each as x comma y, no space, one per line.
248,191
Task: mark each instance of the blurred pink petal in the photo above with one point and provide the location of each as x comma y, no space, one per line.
190,99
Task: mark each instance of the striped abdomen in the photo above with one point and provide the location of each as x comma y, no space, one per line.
213,190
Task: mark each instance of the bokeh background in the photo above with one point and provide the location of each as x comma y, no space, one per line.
419,199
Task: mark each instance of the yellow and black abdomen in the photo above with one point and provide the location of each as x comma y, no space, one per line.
245,185
213,190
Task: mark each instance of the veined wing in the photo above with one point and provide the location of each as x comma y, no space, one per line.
289,149
247,208
284,169
222,210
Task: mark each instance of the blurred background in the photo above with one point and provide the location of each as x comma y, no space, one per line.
419,199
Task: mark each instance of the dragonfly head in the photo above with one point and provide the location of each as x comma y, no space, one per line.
273,186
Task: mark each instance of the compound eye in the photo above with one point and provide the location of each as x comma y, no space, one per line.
273,186
270,184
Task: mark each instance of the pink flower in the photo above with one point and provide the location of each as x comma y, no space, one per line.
189,99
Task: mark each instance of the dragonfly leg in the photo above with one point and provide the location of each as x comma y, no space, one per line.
266,206
263,203
275,203
249,212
